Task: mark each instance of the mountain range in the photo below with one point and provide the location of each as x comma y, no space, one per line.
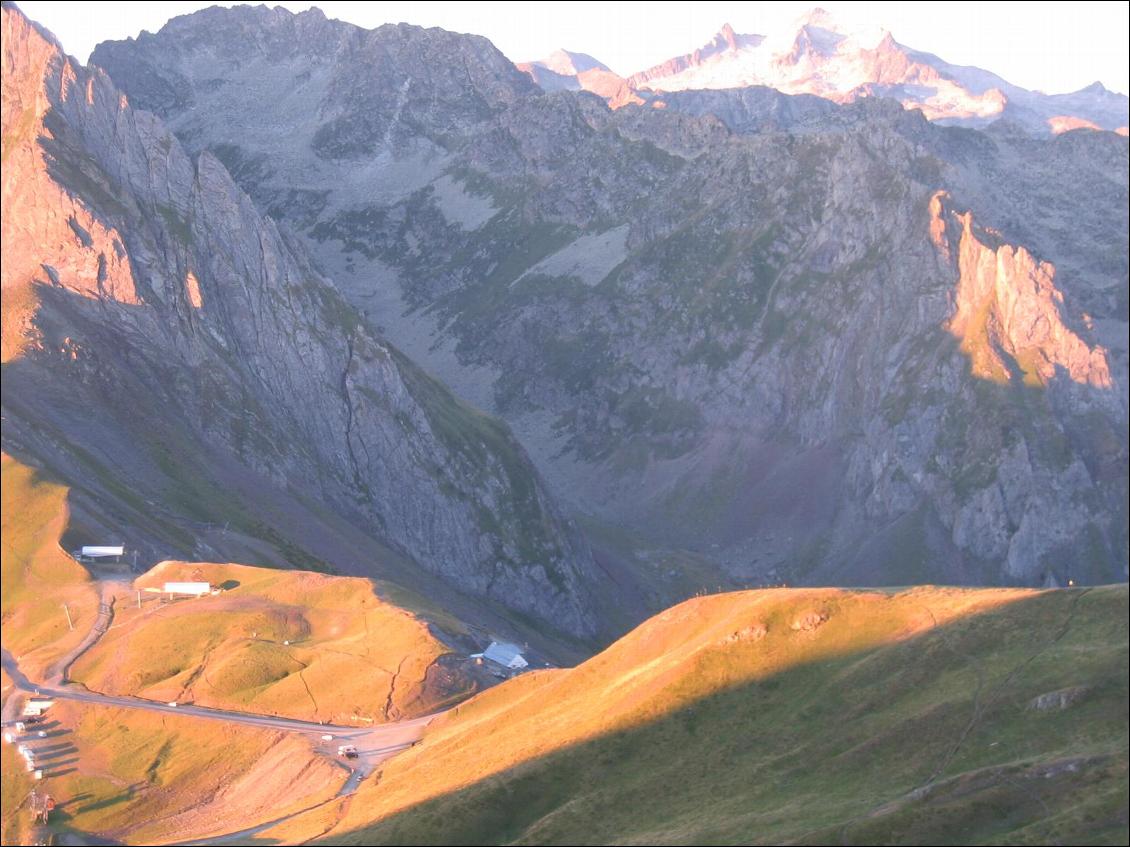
544,355
807,341
819,56
755,337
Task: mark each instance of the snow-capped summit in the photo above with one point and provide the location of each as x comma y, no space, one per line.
818,55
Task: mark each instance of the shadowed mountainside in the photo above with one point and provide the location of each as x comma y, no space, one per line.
756,339
164,339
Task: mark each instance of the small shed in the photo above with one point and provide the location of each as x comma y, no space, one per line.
505,654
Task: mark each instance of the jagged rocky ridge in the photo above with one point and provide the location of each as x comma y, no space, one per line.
782,348
154,319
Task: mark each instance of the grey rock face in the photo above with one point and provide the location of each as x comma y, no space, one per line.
828,343
751,109
1057,701
160,288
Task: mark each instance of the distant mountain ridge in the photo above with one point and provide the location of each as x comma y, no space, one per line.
816,55
566,71
567,63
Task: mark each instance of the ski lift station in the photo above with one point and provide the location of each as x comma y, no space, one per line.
99,554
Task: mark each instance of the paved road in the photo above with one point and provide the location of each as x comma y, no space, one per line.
374,744
384,738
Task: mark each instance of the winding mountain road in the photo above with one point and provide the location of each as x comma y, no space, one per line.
373,744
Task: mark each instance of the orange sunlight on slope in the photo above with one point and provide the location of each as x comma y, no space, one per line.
1008,310
698,648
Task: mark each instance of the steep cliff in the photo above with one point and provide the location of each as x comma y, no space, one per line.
162,337
772,343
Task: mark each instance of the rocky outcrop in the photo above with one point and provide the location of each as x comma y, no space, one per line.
809,622
1007,308
614,89
1057,701
156,300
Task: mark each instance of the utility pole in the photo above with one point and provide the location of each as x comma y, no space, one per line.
70,623
139,598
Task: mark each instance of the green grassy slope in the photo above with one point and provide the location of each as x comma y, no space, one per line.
745,718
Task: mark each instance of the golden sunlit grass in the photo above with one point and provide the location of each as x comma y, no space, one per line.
15,783
979,344
292,643
142,777
37,576
788,715
20,305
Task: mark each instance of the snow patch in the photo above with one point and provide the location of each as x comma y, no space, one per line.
590,258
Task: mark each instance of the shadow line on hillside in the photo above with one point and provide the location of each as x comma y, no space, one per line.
830,750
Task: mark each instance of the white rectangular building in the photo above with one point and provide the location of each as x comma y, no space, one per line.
193,589
94,553
507,655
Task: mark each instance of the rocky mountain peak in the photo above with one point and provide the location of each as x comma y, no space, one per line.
726,37
726,40
462,69
817,17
